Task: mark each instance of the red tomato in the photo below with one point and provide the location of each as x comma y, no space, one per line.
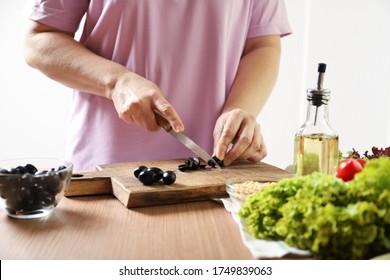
362,161
348,168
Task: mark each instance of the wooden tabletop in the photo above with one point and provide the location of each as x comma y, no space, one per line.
100,227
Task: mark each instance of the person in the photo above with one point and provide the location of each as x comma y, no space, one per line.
207,66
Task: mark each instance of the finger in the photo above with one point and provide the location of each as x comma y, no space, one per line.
253,146
257,150
260,154
127,117
243,143
169,113
229,132
148,120
218,129
142,114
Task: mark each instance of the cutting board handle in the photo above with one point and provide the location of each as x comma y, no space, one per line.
89,183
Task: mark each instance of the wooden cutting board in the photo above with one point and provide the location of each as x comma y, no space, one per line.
195,185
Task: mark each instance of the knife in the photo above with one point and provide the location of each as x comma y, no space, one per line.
185,140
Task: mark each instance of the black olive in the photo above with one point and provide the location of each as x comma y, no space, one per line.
192,163
4,171
211,163
183,167
13,171
138,170
50,183
7,191
10,211
27,180
147,177
217,160
31,190
159,173
31,168
27,196
61,167
169,177
46,198
14,203
18,170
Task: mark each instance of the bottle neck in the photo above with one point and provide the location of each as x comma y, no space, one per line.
317,107
317,115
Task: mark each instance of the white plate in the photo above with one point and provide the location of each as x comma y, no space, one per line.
260,249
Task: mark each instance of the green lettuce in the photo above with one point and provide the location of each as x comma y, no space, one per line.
321,213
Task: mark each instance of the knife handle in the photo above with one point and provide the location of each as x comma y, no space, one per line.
161,121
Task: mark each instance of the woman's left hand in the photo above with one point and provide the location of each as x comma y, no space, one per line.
237,136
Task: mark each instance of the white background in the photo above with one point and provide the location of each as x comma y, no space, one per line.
351,36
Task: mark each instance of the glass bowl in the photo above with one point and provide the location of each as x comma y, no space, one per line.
32,188
240,188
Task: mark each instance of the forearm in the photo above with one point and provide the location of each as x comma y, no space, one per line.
63,59
256,76
60,57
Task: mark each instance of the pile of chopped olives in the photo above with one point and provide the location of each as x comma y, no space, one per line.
194,163
151,175
27,190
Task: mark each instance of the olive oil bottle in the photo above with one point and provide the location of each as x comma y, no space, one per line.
316,143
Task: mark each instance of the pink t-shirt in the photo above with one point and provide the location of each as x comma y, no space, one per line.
190,49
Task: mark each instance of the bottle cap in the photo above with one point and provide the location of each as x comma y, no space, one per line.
319,96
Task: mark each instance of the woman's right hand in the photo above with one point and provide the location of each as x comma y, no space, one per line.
135,98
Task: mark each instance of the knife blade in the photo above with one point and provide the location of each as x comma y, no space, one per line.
185,140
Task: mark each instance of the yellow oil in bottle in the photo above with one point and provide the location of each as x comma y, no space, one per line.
315,152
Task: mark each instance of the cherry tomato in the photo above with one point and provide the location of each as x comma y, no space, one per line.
362,161
348,168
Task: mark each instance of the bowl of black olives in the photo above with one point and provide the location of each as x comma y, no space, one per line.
32,188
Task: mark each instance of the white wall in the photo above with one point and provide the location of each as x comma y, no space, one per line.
33,109
351,36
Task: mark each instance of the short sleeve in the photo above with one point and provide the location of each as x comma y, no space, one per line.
64,15
269,17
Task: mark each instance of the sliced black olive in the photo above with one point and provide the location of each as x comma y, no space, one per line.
183,167
147,177
138,170
192,163
159,173
217,160
169,177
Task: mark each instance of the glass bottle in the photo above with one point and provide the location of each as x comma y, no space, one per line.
316,143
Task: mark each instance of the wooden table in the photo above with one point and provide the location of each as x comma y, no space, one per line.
100,227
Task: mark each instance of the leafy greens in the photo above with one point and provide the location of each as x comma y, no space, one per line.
323,214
